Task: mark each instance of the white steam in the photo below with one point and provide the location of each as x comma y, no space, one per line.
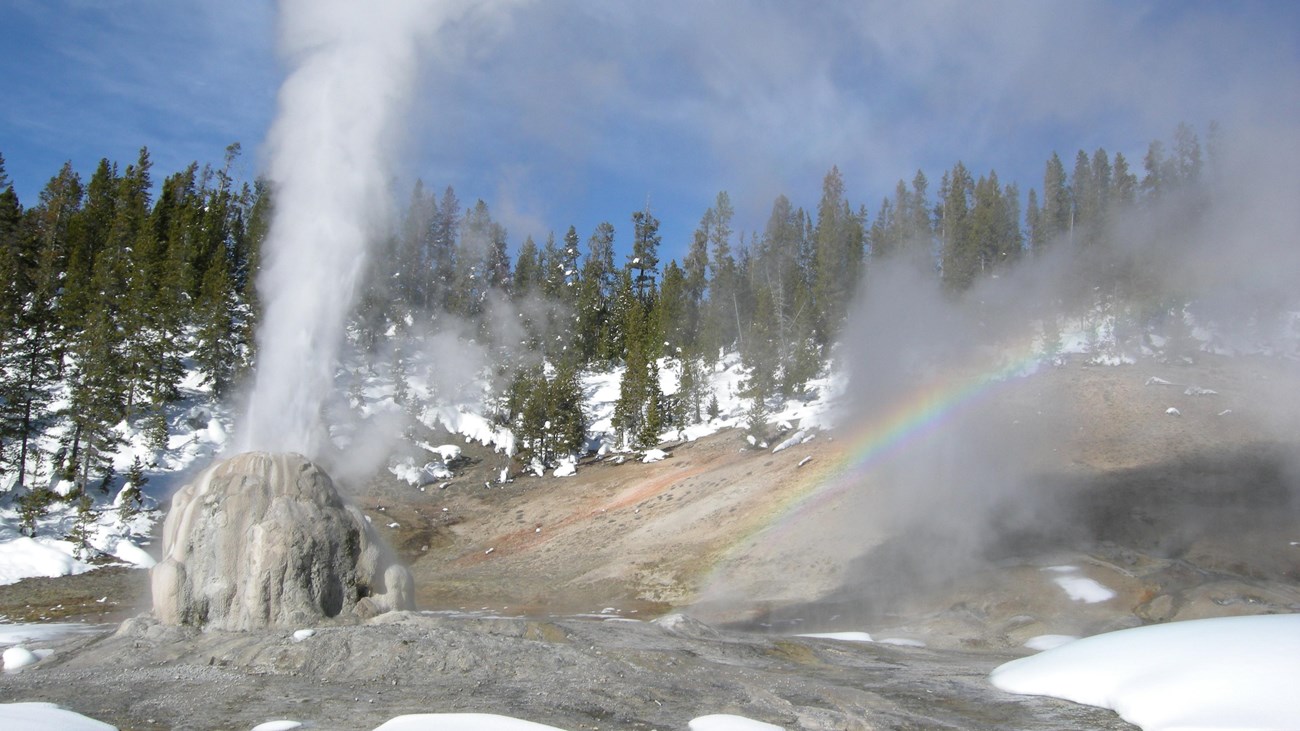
332,149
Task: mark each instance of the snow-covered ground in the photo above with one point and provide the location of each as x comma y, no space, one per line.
1225,673
197,429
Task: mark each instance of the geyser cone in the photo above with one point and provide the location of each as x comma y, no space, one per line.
264,540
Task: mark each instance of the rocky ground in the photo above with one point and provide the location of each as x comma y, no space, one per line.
1180,516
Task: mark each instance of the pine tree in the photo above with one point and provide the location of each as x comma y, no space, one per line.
1055,217
696,284
32,507
960,254
528,273
1125,185
30,339
637,417
443,247
570,274
216,350
547,414
79,536
1034,224
412,259
131,499
597,289
644,259
839,238
721,318
671,309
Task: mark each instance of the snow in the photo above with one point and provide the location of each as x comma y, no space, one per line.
1224,673
45,716
725,722
18,657
796,439
132,554
568,467
654,455
448,452
863,637
841,636
277,726
1082,589
461,722
1048,642
24,557
17,634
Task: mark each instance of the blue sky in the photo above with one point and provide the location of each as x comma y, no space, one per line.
567,112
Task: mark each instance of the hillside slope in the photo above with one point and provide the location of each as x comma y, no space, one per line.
1176,516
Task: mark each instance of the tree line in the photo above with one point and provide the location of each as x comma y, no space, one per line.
110,292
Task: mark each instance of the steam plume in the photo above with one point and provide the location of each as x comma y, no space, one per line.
352,69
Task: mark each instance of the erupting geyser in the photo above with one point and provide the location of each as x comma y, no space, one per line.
264,540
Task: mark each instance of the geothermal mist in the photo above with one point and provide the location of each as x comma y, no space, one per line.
352,68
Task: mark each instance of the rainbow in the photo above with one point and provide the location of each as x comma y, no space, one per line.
917,416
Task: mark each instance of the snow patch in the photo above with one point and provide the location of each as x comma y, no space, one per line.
18,657
841,636
726,722
45,716
1224,673
24,557
1048,642
461,722
277,726
1082,589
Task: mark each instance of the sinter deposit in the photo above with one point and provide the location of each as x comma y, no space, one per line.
264,540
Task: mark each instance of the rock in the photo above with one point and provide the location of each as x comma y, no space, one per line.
264,540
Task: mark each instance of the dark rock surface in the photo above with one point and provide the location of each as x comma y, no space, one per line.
567,672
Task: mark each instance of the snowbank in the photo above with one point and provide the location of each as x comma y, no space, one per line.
461,722
46,716
725,722
24,557
1226,673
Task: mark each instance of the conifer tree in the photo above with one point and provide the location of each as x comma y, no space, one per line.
131,499
695,271
30,341
960,255
1034,225
443,247
1124,184
528,273
637,417
596,290
1057,207
839,239
721,318
644,259
32,507
671,310
79,536
570,275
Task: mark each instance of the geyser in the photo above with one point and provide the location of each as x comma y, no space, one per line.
331,154
264,540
